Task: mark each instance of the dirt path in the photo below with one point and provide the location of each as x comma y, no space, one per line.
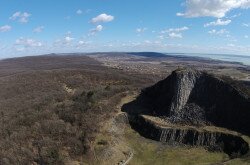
118,152
129,158
125,100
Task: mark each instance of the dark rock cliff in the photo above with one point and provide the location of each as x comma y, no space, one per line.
231,144
195,97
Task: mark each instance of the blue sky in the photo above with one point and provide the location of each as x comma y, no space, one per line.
30,27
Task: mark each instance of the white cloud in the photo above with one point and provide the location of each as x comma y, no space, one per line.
68,33
28,42
212,8
66,42
68,39
231,45
218,22
102,18
82,42
173,32
97,29
232,48
246,24
38,29
5,28
218,32
184,28
21,17
161,37
79,12
246,36
141,30
175,35
178,29
20,49
147,42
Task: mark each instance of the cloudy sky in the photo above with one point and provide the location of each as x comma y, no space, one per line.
30,27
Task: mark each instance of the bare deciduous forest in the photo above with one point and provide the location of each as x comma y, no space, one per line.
51,107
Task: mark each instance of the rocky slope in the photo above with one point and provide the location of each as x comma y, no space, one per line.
194,97
179,110
211,138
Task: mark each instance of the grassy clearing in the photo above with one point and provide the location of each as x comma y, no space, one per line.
149,152
238,162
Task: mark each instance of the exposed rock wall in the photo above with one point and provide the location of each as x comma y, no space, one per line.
231,144
196,97
183,88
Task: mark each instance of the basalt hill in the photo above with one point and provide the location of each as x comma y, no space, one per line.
197,97
194,108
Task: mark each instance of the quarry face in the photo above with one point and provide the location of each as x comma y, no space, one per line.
194,108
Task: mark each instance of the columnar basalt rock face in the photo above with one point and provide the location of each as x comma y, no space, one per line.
196,97
218,141
183,88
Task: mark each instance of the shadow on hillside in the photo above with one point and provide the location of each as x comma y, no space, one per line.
138,106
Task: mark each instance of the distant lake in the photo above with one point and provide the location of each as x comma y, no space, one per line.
224,57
